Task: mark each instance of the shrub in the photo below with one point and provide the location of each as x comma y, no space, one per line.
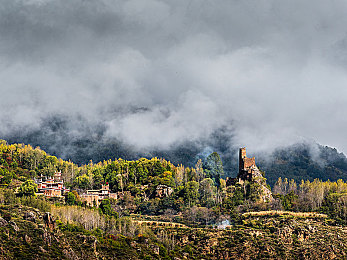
28,188
35,202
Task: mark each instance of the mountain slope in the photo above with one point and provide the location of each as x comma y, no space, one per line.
259,236
300,162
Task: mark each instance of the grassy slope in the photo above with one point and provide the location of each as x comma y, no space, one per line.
257,237
266,237
33,240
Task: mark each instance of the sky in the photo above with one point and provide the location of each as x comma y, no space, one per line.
158,73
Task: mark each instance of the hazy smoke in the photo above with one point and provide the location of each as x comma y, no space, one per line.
155,74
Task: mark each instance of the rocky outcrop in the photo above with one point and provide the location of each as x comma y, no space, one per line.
248,171
265,192
30,216
49,220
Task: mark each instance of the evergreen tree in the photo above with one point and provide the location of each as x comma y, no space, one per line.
105,207
28,188
70,198
213,167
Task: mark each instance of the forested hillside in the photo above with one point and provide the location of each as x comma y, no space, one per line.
301,161
167,211
305,162
156,186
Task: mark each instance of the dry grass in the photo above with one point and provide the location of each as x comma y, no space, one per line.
160,224
285,213
88,218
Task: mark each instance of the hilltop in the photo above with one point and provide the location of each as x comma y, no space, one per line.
306,160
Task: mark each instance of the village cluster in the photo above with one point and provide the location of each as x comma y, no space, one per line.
54,187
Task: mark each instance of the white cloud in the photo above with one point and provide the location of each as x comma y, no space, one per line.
158,73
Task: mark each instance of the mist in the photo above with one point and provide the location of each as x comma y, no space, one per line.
149,76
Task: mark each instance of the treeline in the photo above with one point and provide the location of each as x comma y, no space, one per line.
146,186
19,161
156,186
304,162
326,197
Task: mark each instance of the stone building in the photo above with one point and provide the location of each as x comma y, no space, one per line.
248,171
94,197
247,168
51,186
163,191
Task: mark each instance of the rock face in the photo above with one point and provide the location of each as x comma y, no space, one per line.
267,237
266,194
163,191
49,220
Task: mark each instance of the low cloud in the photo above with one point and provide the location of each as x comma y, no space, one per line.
161,73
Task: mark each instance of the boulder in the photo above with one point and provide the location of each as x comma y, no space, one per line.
30,216
27,239
3,222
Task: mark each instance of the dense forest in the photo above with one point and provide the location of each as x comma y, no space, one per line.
304,162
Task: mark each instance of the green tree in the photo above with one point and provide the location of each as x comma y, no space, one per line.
98,179
207,191
253,191
70,198
199,170
191,192
213,167
28,188
105,207
237,197
289,200
6,176
82,182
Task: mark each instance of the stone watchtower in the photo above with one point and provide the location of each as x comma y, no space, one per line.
246,165
248,171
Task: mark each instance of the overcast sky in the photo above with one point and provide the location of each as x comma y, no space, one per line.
157,73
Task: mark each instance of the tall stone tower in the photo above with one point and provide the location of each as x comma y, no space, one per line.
246,165
242,155
248,171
